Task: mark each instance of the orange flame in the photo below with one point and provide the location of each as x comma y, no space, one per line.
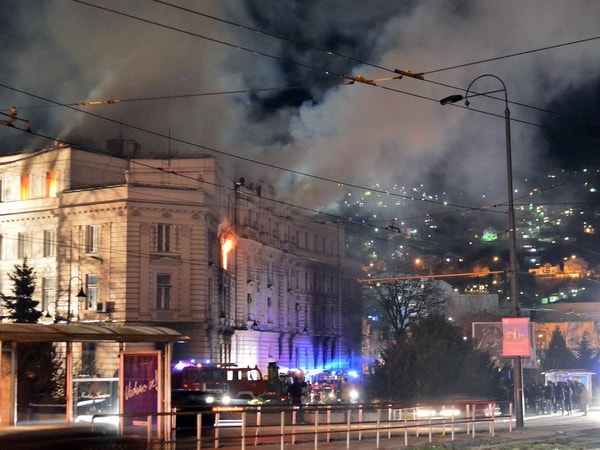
228,241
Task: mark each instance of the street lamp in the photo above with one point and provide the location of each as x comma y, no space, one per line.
252,318
512,245
80,296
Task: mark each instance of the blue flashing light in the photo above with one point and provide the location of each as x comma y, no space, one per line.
181,365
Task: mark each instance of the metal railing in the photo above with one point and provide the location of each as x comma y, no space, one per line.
284,425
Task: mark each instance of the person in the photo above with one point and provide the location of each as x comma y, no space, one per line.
560,397
584,398
548,398
568,398
296,390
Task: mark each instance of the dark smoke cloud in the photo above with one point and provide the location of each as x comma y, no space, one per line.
357,134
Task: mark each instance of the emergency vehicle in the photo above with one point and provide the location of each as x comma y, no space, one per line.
245,383
203,383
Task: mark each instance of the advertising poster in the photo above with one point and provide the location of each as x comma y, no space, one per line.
140,386
516,339
488,338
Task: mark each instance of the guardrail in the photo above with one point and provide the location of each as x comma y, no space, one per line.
281,425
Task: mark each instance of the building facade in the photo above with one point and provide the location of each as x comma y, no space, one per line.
177,243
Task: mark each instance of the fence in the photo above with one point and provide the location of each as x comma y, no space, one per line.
283,425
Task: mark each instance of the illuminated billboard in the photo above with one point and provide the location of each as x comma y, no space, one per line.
515,337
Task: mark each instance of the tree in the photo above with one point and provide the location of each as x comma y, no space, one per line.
558,355
404,299
37,363
434,361
22,308
585,355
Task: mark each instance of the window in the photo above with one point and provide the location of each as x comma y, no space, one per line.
163,291
48,293
91,291
50,184
211,243
49,243
22,246
1,191
91,238
25,187
163,237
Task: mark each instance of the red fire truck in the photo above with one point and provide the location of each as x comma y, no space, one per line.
245,383
223,383
204,384
197,388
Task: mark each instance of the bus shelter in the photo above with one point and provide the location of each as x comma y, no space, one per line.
579,375
105,369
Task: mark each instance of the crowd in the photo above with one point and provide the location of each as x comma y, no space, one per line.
563,397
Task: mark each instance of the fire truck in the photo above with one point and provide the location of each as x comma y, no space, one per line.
244,383
222,384
197,387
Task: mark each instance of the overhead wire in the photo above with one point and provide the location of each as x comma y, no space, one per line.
358,79
420,75
268,165
341,76
231,155
336,218
386,192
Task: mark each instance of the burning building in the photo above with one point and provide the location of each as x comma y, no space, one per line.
168,242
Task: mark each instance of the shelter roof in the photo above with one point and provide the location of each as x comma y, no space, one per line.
79,332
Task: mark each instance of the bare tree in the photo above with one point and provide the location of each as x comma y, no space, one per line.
401,299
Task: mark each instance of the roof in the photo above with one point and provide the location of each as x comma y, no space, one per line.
569,372
79,332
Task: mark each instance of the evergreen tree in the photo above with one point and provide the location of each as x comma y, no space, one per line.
434,361
20,305
37,363
558,355
585,355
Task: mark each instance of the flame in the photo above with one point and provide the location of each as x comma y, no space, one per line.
228,241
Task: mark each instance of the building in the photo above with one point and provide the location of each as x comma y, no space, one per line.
177,243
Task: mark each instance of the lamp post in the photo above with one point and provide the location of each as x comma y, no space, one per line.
252,318
80,296
512,245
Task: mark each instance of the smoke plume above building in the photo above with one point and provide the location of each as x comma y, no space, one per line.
261,85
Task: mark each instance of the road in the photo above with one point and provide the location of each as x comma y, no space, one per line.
563,432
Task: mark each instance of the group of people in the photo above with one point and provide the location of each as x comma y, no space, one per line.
562,396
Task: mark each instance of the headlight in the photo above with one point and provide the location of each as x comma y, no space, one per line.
353,394
422,412
226,399
450,412
210,399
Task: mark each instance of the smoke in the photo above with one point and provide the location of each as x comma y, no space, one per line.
354,134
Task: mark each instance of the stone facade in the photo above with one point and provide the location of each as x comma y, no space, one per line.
144,239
